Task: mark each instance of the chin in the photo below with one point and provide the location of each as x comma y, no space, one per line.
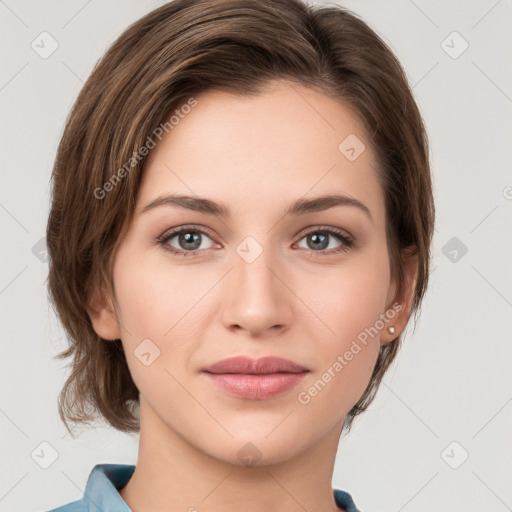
256,450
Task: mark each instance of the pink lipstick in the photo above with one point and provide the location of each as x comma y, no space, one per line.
255,379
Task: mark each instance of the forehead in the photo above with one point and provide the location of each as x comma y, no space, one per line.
271,148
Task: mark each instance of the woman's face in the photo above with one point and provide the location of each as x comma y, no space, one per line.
311,285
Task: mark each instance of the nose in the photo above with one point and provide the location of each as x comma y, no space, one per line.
256,298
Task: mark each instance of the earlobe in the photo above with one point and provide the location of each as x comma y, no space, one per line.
103,318
401,299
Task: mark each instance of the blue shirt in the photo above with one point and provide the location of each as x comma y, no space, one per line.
105,479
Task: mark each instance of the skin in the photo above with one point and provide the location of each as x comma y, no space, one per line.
256,155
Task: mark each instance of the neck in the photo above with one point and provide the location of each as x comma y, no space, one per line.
173,475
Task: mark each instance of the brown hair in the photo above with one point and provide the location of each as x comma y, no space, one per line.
179,50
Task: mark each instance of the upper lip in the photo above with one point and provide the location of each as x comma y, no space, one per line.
261,366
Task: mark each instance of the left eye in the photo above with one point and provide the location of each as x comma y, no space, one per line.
320,240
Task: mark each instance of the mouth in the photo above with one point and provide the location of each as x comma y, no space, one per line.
249,366
255,379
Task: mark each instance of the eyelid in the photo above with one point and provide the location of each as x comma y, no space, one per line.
170,233
321,227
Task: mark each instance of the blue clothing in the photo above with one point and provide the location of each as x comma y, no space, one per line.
105,479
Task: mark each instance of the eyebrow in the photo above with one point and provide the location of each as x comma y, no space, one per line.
298,207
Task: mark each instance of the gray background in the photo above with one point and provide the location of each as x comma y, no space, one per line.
452,380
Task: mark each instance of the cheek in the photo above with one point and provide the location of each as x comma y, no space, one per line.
161,303
349,298
349,307
156,310
152,295
345,355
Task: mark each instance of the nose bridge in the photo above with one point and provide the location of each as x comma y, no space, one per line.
255,300
252,262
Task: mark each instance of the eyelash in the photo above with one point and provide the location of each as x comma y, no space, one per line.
341,236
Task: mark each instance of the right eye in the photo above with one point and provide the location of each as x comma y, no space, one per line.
188,241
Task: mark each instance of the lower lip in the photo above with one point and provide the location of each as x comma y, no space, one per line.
256,387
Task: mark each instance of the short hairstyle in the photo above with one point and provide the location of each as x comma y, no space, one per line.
179,50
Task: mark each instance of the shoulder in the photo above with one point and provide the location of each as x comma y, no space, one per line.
344,501
101,490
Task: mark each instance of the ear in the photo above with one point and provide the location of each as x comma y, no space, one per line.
102,315
400,299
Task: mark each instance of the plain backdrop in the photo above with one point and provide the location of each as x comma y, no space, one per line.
438,434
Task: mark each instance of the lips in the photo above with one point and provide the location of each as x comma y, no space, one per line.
261,366
255,379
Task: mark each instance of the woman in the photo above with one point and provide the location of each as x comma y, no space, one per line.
240,231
